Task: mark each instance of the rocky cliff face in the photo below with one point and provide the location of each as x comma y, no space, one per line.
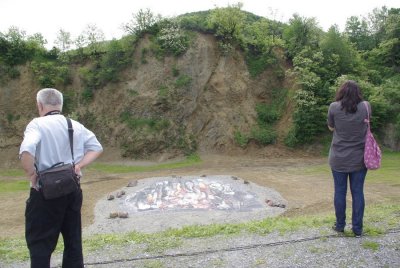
192,102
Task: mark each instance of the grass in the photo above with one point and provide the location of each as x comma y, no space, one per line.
388,173
370,245
13,186
378,218
11,173
108,168
153,264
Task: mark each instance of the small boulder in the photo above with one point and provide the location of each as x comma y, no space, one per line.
132,184
123,215
113,215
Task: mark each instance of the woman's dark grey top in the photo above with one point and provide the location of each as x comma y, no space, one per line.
347,149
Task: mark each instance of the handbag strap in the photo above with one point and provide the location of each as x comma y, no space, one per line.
71,138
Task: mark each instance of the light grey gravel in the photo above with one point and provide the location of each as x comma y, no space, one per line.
306,248
273,250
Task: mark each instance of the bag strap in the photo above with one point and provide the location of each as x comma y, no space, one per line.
71,138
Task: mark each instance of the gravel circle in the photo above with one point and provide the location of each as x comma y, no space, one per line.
156,220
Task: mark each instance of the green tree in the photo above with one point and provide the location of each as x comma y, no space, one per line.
196,21
358,33
227,22
259,43
14,47
301,32
377,19
112,62
94,36
385,57
309,119
172,38
141,22
37,39
337,49
63,40
258,36
51,73
392,24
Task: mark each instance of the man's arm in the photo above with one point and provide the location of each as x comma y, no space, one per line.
28,161
88,158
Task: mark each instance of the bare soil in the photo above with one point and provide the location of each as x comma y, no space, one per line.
306,194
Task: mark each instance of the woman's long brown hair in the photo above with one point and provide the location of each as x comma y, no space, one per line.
349,94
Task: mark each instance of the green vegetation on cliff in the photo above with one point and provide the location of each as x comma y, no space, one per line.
305,65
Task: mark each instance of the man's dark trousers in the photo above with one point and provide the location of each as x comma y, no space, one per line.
45,220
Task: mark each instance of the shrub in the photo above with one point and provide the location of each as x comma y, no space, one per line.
397,127
89,119
143,21
186,143
183,81
143,56
309,118
115,59
290,139
267,113
240,139
88,77
68,103
163,92
172,38
152,124
13,72
87,95
264,135
175,71
10,118
51,74
107,65
258,63
227,22
196,21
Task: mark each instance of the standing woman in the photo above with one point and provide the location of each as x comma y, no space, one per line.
346,156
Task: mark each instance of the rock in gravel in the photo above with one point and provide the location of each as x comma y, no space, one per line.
123,215
113,215
132,184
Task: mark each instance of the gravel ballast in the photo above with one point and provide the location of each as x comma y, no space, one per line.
307,248
256,203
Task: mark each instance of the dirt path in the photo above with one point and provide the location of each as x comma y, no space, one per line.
306,194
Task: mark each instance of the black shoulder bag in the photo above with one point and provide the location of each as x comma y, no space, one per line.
60,179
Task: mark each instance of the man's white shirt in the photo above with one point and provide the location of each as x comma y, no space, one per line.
46,139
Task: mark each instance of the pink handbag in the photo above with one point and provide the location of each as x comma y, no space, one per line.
372,152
